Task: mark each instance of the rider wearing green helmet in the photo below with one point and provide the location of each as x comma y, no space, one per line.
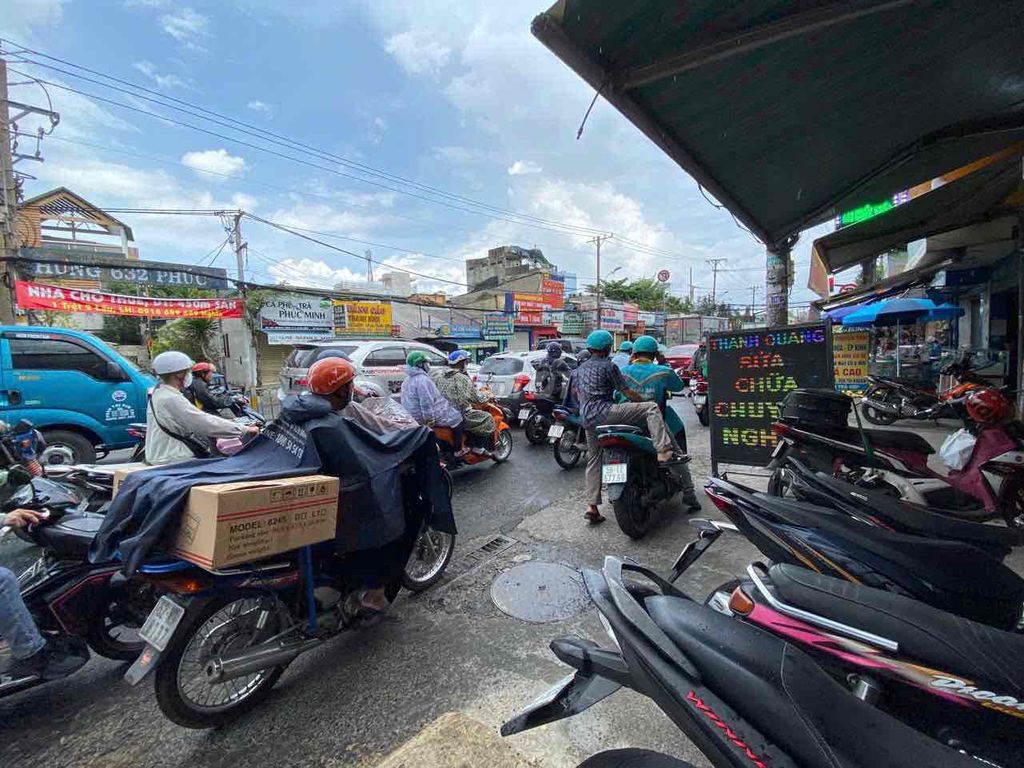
653,382
596,383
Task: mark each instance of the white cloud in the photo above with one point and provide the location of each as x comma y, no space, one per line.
186,26
463,155
20,17
417,54
380,123
261,107
214,161
164,81
523,168
325,218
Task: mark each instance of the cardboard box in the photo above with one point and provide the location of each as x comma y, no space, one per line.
233,523
123,470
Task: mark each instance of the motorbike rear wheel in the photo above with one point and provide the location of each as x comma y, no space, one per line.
633,758
631,512
503,446
703,417
536,429
114,630
1011,502
226,622
567,452
875,416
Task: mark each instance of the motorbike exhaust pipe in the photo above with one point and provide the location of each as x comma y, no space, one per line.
880,406
250,660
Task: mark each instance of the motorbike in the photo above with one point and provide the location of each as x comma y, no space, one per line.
501,440
960,577
699,394
632,479
897,462
951,679
568,436
744,697
240,409
536,417
73,602
217,641
888,400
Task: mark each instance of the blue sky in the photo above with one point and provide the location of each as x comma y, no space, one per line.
456,96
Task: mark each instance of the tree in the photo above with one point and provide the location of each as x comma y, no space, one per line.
648,294
196,337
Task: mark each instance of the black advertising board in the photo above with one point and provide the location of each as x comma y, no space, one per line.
749,373
41,264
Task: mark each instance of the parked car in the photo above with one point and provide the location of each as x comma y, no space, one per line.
571,344
681,356
75,388
510,375
379,362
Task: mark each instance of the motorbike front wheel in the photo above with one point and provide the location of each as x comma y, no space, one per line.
567,452
536,429
429,559
503,446
631,512
227,622
872,414
703,417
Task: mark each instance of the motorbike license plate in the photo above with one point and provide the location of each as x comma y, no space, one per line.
700,399
161,623
524,414
555,431
613,474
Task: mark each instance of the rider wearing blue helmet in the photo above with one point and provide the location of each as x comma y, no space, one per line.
597,381
458,389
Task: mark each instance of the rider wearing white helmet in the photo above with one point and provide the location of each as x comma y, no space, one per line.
176,429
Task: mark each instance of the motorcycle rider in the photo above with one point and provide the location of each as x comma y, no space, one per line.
597,381
175,429
31,653
199,391
458,389
552,372
331,384
421,398
653,382
621,358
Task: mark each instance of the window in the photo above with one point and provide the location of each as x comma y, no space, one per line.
43,354
385,357
434,358
303,357
502,366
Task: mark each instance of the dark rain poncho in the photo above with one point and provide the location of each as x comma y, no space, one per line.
307,439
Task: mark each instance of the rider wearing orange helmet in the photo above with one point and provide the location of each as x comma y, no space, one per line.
199,391
332,378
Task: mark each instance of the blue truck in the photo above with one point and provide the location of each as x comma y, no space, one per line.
76,389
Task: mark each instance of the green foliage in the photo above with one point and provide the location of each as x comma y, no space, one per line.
196,337
121,329
646,293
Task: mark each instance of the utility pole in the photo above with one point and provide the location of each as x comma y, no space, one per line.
251,362
8,204
240,248
753,297
597,240
369,266
691,286
714,275
776,292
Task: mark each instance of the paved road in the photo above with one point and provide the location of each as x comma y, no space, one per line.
354,700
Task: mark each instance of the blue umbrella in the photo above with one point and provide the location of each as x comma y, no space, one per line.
898,311
835,315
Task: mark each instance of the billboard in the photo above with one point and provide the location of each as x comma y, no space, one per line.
850,351
362,318
50,298
301,313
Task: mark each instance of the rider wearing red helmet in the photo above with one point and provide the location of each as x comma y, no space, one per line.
199,391
987,406
332,378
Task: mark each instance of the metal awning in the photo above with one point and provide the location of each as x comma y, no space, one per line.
792,111
889,286
973,199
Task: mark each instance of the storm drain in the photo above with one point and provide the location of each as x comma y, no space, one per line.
540,592
474,557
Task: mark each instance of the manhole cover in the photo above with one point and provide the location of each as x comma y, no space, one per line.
540,592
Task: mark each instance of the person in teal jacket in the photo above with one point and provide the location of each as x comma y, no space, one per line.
653,382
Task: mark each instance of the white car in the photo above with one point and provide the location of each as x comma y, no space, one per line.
379,362
510,375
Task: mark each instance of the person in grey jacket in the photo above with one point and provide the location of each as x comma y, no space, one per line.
175,428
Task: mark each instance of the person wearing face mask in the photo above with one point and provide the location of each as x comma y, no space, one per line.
425,403
176,429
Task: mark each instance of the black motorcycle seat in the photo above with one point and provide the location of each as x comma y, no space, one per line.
913,518
71,536
607,428
884,438
782,692
911,384
990,658
958,577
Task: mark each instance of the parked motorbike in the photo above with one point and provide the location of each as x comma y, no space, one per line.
742,696
632,479
897,462
955,576
501,440
887,399
568,436
219,641
536,417
948,678
73,602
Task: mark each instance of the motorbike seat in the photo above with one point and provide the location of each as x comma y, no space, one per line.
902,383
786,695
71,536
607,429
881,439
935,638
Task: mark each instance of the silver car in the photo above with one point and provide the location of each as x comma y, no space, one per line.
510,375
378,362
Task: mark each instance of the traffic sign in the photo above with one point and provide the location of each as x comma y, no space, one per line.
664,275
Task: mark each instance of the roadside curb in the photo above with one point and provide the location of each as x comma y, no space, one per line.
455,740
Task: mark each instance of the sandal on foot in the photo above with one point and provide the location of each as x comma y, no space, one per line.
594,516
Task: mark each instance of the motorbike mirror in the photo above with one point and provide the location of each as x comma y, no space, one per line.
18,476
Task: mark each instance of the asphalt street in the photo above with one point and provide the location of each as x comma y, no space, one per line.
356,699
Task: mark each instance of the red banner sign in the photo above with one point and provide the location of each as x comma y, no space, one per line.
54,299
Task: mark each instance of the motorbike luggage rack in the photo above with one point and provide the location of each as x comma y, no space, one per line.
173,566
604,429
813,618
